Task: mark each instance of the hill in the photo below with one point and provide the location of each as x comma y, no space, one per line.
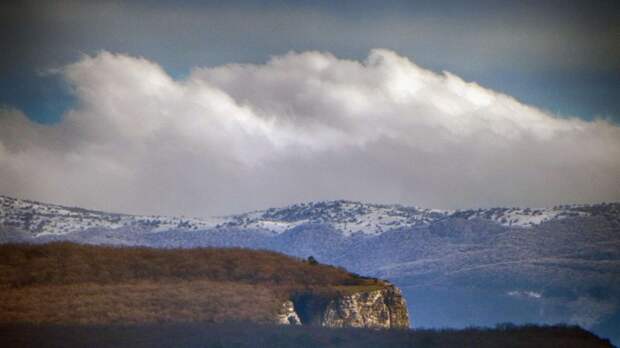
65,283
245,335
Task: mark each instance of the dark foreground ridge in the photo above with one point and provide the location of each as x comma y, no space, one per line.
70,284
252,335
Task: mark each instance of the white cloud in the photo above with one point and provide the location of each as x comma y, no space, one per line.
530,294
301,127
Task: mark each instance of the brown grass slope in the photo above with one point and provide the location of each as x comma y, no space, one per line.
79,284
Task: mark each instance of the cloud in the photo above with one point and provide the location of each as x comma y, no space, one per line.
303,126
525,294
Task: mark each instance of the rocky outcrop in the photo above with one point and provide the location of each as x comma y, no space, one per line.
383,308
287,314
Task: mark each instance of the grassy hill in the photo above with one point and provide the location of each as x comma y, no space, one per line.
64,283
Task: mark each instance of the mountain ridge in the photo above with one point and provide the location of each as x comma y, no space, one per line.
454,269
350,217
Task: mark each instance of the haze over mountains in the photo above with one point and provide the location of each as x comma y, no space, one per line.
456,268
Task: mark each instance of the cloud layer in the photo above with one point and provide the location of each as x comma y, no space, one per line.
303,126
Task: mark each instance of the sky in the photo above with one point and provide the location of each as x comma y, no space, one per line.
206,108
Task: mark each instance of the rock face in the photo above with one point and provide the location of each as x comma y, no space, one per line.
287,314
383,308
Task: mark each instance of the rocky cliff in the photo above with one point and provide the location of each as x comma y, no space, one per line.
287,314
382,308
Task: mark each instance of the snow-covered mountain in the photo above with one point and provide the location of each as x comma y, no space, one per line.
456,268
41,219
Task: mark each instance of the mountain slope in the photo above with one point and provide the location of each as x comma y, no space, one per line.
456,268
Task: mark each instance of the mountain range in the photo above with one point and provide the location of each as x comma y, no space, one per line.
456,268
